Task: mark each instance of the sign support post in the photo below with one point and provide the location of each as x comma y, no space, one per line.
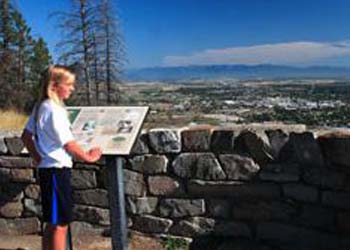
117,202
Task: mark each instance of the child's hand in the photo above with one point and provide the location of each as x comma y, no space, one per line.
37,159
94,154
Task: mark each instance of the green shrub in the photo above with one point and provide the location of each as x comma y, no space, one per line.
176,244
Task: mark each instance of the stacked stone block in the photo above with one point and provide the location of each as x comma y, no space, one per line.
227,189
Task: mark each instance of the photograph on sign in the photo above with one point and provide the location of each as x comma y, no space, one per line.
113,129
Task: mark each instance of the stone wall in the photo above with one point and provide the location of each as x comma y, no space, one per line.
224,188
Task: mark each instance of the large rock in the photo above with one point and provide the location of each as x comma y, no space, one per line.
205,242
343,223
198,165
164,141
149,164
336,199
90,214
14,145
219,208
93,197
3,148
103,173
102,178
15,161
32,207
134,183
232,229
185,164
313,216
22,175
300,192
164,185
140,147
83,179
234,189
256,144
141,205
20,226
181,207
278,172
32,191
80,228
208,167
336,149
194,226
151,224
12,191
222,141
238,167
4,176
296,237
195,140
258,211
327,178
277,138
11,209
303,149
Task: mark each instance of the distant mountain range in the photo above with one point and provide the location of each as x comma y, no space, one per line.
235,71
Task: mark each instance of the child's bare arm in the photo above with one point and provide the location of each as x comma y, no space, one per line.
27,138
75,149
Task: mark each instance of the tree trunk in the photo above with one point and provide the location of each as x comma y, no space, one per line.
85,48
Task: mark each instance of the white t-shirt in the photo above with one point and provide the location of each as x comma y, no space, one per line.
53,132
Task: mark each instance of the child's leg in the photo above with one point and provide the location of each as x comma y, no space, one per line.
59,237
55,237
57,207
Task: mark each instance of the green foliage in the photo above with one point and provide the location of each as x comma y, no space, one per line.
314,117
205,120
39,60
20,57
176,244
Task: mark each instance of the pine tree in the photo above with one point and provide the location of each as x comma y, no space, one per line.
39,61
5,24
22,46
17,52
6,55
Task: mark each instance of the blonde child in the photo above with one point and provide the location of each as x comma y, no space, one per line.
50,142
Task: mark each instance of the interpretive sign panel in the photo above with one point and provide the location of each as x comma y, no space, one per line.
113,129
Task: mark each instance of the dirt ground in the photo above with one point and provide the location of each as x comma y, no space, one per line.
32,242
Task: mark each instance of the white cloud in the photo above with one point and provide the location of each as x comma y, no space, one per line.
291,53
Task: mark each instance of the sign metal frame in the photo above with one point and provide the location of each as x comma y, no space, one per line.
114,159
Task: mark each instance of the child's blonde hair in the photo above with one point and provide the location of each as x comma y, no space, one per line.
53,74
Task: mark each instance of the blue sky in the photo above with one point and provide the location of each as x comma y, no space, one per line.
187,32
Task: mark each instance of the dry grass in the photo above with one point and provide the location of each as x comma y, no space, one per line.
12,120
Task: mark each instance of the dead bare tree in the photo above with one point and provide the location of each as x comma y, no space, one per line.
76,43
112,42
91,35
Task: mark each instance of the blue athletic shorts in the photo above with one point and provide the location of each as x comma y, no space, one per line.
56,195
